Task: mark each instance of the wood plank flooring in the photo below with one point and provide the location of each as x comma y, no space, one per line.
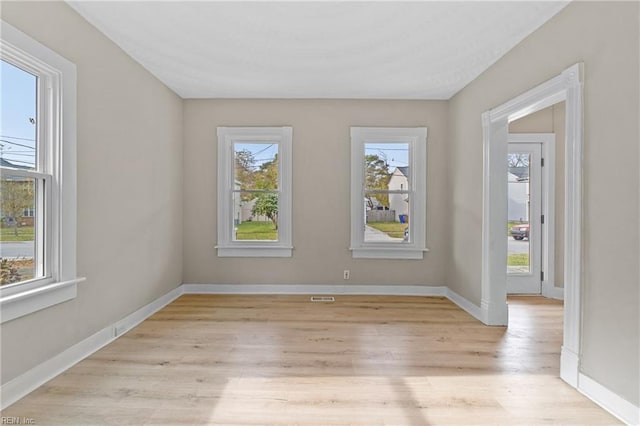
282,360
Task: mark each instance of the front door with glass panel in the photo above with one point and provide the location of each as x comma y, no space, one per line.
524,213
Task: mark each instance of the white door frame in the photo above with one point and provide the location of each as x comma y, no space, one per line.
566,87
548,176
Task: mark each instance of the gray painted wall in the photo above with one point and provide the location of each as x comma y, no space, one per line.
129,133
131,137
321,173
603,35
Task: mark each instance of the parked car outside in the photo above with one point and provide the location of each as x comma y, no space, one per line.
520,232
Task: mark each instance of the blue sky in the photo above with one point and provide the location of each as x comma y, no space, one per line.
17,106
262,152
396,154
18,134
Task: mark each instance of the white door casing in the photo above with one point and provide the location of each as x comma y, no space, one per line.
567,87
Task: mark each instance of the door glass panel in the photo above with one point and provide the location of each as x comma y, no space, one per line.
518,214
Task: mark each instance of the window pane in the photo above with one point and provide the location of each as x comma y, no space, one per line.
18,106
256,165
17,242
255,216
386,166
384,224
519,249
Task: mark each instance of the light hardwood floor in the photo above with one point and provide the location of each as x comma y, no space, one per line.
368,360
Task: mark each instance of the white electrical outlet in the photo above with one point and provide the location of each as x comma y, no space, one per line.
347,274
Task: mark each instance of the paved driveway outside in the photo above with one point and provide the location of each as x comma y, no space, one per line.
372,234
16,249
515,246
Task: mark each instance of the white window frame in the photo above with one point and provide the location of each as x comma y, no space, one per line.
227,246
416,138
57,152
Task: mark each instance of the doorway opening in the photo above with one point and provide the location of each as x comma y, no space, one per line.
533,193
566,87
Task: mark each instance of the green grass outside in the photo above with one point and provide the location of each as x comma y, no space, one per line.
25,233
266,231
518,259
256,231
392,229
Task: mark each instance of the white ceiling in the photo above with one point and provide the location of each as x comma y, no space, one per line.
371,50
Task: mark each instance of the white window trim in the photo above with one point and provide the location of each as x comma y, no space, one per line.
57,127
416,137
227,247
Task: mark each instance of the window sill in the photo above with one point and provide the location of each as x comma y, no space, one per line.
21,303
254,251
410,253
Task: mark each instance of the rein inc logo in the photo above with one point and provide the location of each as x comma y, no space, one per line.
17,421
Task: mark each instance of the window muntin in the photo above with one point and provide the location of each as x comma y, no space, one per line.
388,192
254,191
48,168
24,201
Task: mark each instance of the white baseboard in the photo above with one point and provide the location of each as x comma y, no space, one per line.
569,366
497,315
354,289
465,305
22,385
132,320
29,381
553,292
26,383
614,404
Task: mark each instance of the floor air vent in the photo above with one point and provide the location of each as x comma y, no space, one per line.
322,299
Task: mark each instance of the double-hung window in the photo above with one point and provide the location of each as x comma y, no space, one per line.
37,182
388,192
254,191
